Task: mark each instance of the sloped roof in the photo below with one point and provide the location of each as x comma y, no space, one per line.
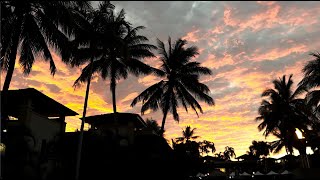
41,103
272,173
286,172
245,174
258,173
123,118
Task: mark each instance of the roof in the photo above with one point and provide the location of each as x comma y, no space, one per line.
123,118
41,103
258,173
245,174
286,172
272,173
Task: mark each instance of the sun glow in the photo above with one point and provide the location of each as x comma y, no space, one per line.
299,134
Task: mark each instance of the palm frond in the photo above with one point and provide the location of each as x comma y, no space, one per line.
37,44
146,94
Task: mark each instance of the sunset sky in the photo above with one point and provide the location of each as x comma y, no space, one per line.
245,44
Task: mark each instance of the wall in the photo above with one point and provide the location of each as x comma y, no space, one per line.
43,128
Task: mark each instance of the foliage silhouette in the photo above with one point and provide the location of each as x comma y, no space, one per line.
180,82
282,114
187,134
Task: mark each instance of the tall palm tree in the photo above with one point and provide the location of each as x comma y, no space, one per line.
36,28
187,134
283,113
180,82
32,29
312,80
87,47
120,58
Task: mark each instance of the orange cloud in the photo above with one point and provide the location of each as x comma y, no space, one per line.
277,53
149,80
192,36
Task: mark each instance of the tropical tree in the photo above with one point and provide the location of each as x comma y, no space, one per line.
229,153
312,78
187,134
87,47
311,81
283,113
39,27
260,148
207,147
179,82
122,56
33,29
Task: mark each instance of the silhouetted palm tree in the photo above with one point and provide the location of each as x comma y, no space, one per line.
283,113
312,80
260,148
311,73
180,82
30,29
122,57
229,153
277,145
187,134
87,47
207,146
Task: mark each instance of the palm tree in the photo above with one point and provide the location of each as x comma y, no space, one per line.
206,146
283,113
312,80
36,31
229,153
187,134
180,82
311,73
87,47
260,148
122,57
31,29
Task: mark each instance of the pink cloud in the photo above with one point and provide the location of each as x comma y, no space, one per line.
277,53
192,36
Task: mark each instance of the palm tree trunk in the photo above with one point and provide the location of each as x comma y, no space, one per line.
163,121
113,91
78,160
12,56
165,112
114,103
